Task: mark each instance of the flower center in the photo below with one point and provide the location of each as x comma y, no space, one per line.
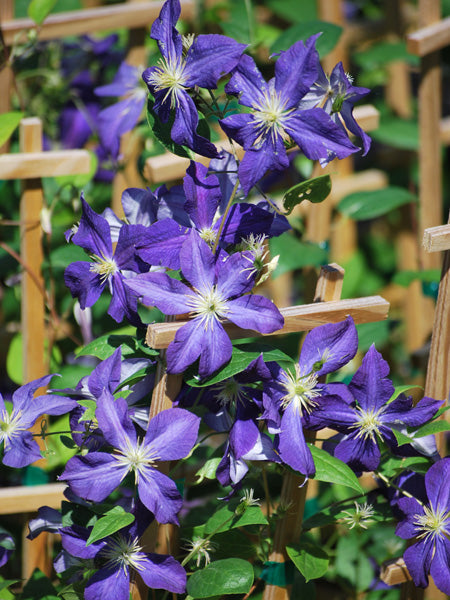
368,423
10,424
208,235
169,75
301,390
104,267
270,115
433,523
209,306
124,553
361,517
229,392
136,458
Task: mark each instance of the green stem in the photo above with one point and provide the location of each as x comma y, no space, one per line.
225,214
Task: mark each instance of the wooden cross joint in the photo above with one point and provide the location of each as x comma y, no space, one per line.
429,39
395,572
436,239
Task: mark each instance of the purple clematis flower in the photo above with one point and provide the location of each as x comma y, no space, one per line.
117,119
217,293
429,525
109,268
20,449
297,394
7,546
120,556
337,96
186,63
163,241
170,436
275,117
366,414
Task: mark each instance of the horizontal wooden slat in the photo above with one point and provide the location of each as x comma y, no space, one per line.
92,20
362,181
23,499
395,572
367,116
44,164
429,39
444,130
296,318
437,239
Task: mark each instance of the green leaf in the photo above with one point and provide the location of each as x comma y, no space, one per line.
405,278
402,438
310,559
301,31
241,357
369,205
162,132
39,587
8,123
352,564
372,333
112,521
225,518
208,471
397,133
222,577
81,180
295,254
288,9
105,345
333,470
401,389
396,464
315,190
14,366
432,428
38,10
326,516
62,256
384,53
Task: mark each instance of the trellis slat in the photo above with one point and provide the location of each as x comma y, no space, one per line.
52,163
429,39
437,239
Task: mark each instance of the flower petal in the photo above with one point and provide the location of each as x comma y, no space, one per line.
255,312
160,495
172,433
93,476
163,572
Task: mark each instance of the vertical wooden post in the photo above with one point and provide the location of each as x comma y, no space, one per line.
294,489
430,164
35,553
6,74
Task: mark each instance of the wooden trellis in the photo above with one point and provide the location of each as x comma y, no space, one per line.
29,165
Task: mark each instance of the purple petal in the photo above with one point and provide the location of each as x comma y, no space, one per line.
93,232
125,80
437,483
164,32
402,411
83,283
160,495
197,263
109,582
247,82
243,436
158,289
244,219
233,276
113,420
106,375
440,565
203,195
93,476
210,57
406,529
292,446
163,572
74,540
172,433
270,155
329,347
186,347
255,312
216,349
162,243
23,396
359,452
369,384
418,560
295,83
21,450
185,126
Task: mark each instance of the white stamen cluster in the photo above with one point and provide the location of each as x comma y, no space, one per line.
124,553
433,523
200,547
105,267
270,115
361,517
10,424
301,390
368,423
209,305
208,235
136,458
169,76
229,392
248,499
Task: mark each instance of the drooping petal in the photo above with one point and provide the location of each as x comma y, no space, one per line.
418,560
106,375
108,582
243,436
93,476
172,433
255,312
216,349
23,396
160,495
328,347
21,450
186,347
292,445
271,154
440,565
74,540
163,572
185,126
402,411
123,302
